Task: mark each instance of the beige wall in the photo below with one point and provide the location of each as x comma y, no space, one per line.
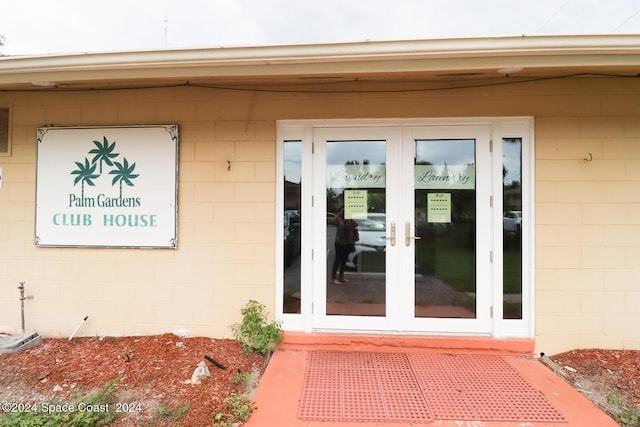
226,231
588,213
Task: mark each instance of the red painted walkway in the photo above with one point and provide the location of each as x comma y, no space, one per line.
282,398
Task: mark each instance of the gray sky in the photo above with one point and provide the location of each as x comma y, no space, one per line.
73,26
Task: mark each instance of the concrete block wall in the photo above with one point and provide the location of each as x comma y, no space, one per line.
587,213
587,231
226,230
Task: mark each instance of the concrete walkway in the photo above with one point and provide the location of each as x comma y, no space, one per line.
280,390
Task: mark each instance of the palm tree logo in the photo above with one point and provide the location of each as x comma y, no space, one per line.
103,152
85,174
123,173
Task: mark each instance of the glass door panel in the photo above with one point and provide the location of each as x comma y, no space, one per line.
446,255
512,228
356,228
445,222
292,226
403,226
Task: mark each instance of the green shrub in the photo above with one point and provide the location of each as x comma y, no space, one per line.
255,333
240,408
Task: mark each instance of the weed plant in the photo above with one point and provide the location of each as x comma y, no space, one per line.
255,333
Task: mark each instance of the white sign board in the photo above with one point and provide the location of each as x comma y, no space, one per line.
107,186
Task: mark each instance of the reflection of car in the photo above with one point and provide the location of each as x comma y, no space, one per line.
291,236
512,221
371,232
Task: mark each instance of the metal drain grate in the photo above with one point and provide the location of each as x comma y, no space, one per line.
414,387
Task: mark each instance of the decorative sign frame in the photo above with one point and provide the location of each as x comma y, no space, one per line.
107,186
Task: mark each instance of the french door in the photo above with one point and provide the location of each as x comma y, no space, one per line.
419,198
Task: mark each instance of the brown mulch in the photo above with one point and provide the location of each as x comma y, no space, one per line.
151,370
600,373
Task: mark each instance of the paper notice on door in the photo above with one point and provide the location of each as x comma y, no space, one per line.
355,204
439,208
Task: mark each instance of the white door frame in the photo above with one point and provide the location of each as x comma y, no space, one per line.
481,324
372,323
303,130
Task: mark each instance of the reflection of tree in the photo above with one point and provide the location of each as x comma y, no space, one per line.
376,200
292,199
512,185
512,189
516,143
334,199
470,170
464,201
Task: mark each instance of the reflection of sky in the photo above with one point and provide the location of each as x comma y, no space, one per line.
511,158
292,161
451,151
340,152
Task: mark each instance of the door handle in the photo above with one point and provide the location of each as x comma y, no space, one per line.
392,237
407,234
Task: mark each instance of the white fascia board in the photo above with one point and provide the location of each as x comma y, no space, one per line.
362,58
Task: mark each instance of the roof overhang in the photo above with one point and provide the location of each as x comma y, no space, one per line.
391,60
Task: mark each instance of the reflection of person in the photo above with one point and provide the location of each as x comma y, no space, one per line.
344,244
